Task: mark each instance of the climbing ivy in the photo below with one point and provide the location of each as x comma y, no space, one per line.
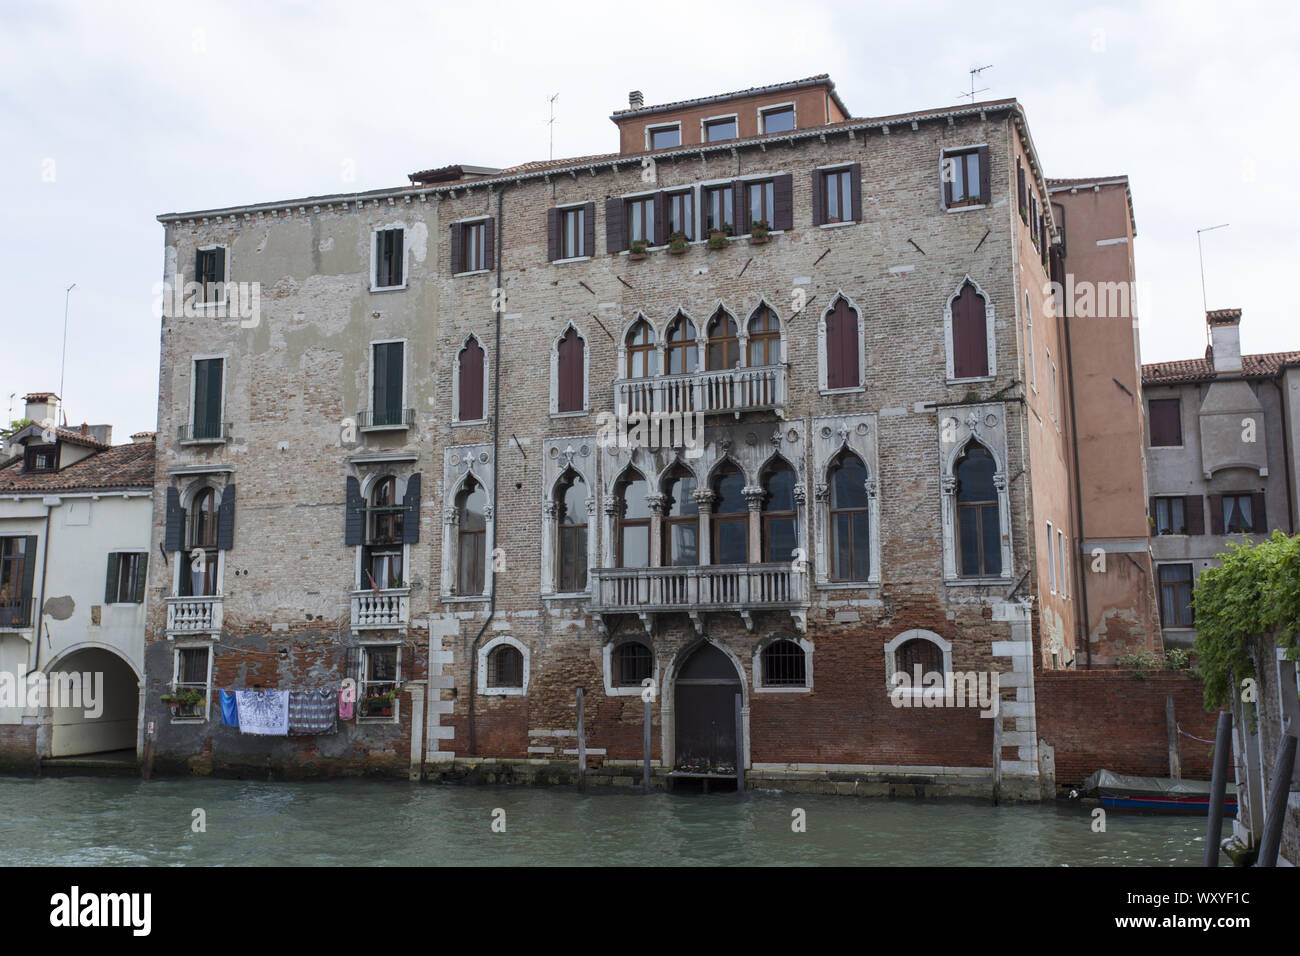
1254,592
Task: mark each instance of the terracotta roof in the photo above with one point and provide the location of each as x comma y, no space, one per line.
119,466
1085,181
752,91
1223,316
38,396
1187,371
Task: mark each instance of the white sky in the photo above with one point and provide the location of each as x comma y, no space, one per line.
135,109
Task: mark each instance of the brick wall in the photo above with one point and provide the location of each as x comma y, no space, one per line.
18,748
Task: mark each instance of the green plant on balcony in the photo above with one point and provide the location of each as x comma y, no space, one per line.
718,236
379,703
638,250
182,699
677,243
758,230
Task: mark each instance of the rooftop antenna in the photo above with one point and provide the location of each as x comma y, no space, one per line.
1200,252
551,124
63,361
975,72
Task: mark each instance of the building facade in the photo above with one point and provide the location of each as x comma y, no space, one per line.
75,513
745,419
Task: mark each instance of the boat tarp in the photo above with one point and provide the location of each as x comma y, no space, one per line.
1117,784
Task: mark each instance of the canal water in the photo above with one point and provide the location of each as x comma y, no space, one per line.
110,821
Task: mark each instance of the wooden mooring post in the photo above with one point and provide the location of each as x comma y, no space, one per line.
582,744
997,756
1218,785
740,749
1171,731
645,742
1283,766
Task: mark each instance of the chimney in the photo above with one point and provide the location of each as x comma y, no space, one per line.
635,100
1225,339
42,406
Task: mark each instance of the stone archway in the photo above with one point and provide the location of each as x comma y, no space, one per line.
115,690
704,716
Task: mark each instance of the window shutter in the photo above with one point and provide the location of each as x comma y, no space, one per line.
615,226
226,520
29,575
393,399
1258,513
661,219
569,373
175,527
739,208
396,271
1023,192
353,513
198,270
946,163
470,400
489,244
783,202
986,195
110,579
1194,509
589,229
848,347
855,190
1216,514
819,198
411,510
552,234
141,574
831,358
969,335
219,259
1151,509
457,256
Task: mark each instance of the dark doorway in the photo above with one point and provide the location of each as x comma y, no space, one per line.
704,702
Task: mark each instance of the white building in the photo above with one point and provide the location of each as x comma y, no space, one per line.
75,515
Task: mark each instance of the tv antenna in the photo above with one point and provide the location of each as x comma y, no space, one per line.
551,124
63,361
1200,252
974,73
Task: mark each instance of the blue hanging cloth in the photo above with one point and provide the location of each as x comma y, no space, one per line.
229,712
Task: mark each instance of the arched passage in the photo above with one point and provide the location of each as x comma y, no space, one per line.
704,695
109,687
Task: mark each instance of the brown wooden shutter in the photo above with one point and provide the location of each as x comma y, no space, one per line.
471,382
1194,509
570,373
661,220
855,190
615,226
740,208
354,515
411,510
946,173
1022,191
589,229
819,197
1258,513
783,202
457,256
1216,514
969,335
1165,420
841,347
986,194
174,529
489,244
226,519
552,234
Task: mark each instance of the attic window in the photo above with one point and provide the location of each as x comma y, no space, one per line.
41,458
780,119
665,137
720,129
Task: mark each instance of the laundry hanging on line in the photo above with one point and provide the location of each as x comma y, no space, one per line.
229,709
313,711
263,712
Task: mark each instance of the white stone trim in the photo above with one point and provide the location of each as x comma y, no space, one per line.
891,659
705,121
607,657
761,113
370,382
845,434
460,462
990,339
224,301
374,256
649,127
756,665
559,456
821,347
987,425
176,669
485,652
225,378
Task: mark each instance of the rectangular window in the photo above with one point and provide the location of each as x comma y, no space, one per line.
1166,422
779,119
386,407
191,665
1176,595
126,573
762,202
962,177
210,272
17,567
473,247
837,191
718,208
679,214
573,233
41,458
1237,514
1171,515
207,398
665,137
719,129
380,677
388,258
640,218
1033,219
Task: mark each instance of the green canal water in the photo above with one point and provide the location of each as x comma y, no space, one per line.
105,821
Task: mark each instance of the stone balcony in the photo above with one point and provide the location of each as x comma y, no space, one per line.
384,609
728,391
739,588
193,615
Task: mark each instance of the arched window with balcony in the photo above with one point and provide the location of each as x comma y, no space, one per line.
381,565
730,521
764,337
681,348
978,514
632,521
780,527
571,533
850,519
723,349
681,523
471,540
642,359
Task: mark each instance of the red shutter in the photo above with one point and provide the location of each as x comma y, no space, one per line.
832,357
570,373
589,229
819,198
969,335
489,244
1194,509
552,234
615,226
1258,513
855,190
456,260
841,347
471,382
1165,419
783,202
1216,514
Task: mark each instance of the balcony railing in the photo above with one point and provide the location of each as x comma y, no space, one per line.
724,587
386,608
193,615
375,418
16,614
204,432
727,390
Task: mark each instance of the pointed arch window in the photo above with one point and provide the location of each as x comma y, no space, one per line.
979,531
730,520
642,360
682,350
724,342
470,382
471,541
850,519
841,346
571,535
970,346
201,533
681,526
780,516
764,337
633,528
382,555
571,373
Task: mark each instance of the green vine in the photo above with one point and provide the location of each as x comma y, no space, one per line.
1255,591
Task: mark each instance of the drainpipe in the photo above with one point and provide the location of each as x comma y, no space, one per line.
1080,581
1286,453
498,305
37,611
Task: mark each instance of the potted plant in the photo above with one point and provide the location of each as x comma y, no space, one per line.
181,699
758,230
639,246
379,703
677,242
718,236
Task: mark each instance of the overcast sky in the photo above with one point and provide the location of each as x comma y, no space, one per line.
111,113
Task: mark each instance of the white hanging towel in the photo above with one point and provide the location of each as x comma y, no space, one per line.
264,712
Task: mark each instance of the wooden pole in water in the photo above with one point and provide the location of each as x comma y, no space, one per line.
1171,729
645,740
1278,788
1218,786
997,755
740,750
582,744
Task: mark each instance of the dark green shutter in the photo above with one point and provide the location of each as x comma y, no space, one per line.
141,573
29,579
110,580
175,528
589,229
226,520
395,271
489,244
353,513
457,257
411,510
855,191
819,197
219,266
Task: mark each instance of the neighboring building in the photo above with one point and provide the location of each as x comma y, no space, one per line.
419,423
74,550
1222,462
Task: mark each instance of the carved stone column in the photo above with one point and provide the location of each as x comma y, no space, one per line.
949,485
610,541
656,501
754,495
704,499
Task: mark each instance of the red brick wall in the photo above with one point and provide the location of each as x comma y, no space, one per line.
1116,720
18,747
